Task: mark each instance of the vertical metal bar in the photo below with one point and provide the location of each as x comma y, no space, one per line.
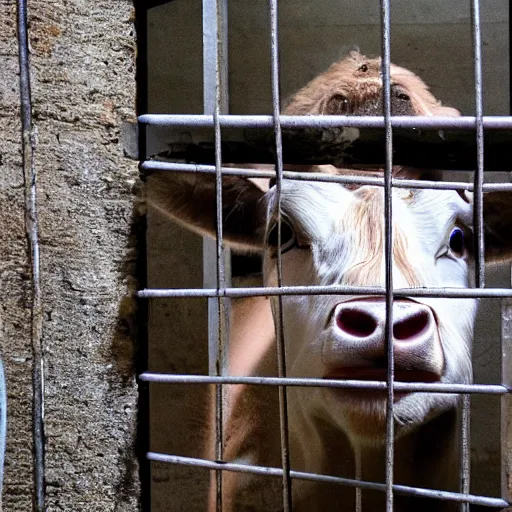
465,449
465,434
479,174
281,350
215,56
221,318
32,231
506,345
358,475
215,93
215,69
510,55
506,401
388,219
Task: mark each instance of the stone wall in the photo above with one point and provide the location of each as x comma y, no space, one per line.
83,96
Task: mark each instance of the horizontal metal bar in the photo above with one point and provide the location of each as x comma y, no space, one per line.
259,121
300,475
261,291
155,165
427,387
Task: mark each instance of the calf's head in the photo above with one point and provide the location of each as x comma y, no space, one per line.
332,235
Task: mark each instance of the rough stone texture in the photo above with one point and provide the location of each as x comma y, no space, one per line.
83,90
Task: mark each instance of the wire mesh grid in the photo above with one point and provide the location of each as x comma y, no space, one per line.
217,120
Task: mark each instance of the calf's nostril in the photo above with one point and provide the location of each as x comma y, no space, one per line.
356,322
409,327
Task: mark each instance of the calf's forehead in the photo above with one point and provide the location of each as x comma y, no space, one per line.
313,208
322,209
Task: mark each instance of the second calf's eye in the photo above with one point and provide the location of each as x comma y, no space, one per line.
287,241
456,242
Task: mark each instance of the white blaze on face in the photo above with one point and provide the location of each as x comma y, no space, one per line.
340,240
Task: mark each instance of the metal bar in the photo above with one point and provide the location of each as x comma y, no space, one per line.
278,315
465,449
506,401
220,309
215,65
465,437
318,121
385,17
506,345
299,475
427,387
358,475
506,349
261,291
155,165
479,174
32,231
215,80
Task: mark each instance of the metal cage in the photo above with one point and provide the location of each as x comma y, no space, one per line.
218,290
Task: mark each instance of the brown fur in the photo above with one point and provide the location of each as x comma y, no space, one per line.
367,220
353,85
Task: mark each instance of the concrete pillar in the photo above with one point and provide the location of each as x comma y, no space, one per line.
83,97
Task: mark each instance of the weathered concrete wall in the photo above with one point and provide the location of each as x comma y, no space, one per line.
83,90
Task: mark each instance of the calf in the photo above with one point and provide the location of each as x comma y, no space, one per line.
334,235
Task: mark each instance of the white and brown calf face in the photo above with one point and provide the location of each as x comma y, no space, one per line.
333,236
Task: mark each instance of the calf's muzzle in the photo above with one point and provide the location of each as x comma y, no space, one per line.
355,346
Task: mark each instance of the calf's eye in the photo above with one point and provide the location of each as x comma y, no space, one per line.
457,242
288,238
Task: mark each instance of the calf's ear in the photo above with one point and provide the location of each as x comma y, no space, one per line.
190,199
498,226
